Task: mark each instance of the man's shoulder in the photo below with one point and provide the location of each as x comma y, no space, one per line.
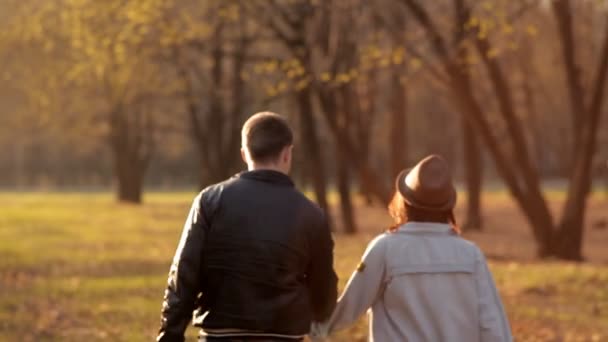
210,195
219,186
309,204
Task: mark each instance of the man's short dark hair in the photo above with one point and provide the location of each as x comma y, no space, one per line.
265,135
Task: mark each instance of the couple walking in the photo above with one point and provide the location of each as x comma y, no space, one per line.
255,260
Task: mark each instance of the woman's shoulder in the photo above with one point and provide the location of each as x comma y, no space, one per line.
379,240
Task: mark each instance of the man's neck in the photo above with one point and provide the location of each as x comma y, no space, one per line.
258,167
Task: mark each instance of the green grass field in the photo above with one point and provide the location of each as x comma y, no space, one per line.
77,267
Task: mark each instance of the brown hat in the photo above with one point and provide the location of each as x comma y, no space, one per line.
428,185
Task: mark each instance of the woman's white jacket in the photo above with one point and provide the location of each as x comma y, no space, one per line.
422,283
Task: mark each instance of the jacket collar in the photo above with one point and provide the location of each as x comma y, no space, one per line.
425,227
268,176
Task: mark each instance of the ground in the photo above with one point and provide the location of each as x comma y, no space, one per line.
79,267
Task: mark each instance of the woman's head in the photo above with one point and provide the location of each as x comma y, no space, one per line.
403,213
424,193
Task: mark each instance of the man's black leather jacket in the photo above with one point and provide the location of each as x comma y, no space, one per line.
255,255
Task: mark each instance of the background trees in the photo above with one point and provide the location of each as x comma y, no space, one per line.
154,92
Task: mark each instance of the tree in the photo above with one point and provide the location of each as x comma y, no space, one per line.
563,239
210,63
109,48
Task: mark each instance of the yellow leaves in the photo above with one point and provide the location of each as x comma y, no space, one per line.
487,5
375,52
302,84
271,91
281,87
473,22
290,63
513,46
76,72
471,59
531,30
266,67
135,15
398,56
484,28
230,12
340,78
271,66
343,78
106,42
325,77
7,76
415,63
493,52
48,45
293,73
99,70
258,68
120,53
293,68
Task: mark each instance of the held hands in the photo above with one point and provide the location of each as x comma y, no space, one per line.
319,332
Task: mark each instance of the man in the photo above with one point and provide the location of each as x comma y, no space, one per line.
255,259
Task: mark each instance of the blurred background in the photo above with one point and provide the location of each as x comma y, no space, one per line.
114,113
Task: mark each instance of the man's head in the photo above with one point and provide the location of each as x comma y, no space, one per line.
267,142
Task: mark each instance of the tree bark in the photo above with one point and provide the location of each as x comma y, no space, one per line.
131,147
129,178
346,205
533,121
365,102
538,210
473,167
569,237
398,132
347,147
315,164
516,169
562,10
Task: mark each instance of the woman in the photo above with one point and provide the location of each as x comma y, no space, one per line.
420,279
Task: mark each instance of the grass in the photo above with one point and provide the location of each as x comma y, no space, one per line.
79,266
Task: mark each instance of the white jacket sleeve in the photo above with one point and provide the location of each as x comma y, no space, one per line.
363,288
493,321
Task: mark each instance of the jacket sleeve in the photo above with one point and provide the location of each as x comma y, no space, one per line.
493,322
322,279
362,290
183,285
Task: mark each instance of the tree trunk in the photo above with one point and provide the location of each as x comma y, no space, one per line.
398,131
347,147
366,109
129,178
563,14
310,140
569,237
132,145
473,167
536,205
346,205
473,163
516,168
129,164
529,101
350,115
